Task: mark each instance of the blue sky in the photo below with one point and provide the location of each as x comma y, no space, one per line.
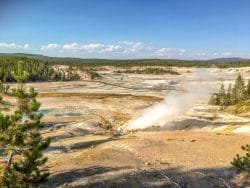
184,29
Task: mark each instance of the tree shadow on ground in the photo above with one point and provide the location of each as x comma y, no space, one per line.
123,177
85,144
79,145
68,177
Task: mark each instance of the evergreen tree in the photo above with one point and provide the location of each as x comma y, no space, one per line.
243,162
240,89
234,98
222,90
248,89
38,70
23,139
221,95
214,99
228,95
238,93
229,90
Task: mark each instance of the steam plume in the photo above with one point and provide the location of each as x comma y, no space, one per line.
175,103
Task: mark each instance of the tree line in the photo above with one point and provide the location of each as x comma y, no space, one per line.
38,70
157,71
148,62
78,62
239,92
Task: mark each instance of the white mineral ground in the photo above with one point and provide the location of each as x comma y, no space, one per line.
187,134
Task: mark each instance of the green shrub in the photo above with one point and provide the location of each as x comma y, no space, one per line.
94,75
243,162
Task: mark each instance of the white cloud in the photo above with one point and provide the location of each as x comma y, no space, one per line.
137,47
122,47
226,53
112,48
125,49
51,46
161,52
73,46
89,48
201,54
169,52
92,47
26,46
7,45
125,42
13,46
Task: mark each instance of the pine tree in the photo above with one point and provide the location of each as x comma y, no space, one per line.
222,90
243,162
221,95
229,90
25,144
234,98
213,100
248,89
228,95
239,93
240,89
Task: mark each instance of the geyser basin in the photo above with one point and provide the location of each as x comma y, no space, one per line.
69,115
55,113
46,111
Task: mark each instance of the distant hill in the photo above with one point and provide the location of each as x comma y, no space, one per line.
219,62
37,56
227,59
34,56
53,59
48,58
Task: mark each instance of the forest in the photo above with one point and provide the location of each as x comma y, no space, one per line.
38,70
148,62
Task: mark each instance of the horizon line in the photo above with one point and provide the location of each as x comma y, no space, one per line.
123,59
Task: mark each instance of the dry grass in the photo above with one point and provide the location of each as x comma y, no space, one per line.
242,109
229,129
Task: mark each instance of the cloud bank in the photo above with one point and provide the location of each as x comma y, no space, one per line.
132,49
120,49
13,46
